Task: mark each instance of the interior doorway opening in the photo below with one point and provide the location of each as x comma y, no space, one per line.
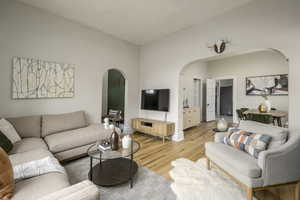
224,99
113,96
219,101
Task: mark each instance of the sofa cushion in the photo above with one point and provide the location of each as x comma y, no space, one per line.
29,126
24,157
238,160
28,144
251,143
279,135
63,122
84,190
72,154
39,186
76,138
9,131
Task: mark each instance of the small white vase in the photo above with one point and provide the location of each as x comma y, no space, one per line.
269,105
106,120
126,142
106,126
111,126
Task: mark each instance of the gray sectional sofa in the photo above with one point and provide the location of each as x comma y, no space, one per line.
67,136
64,136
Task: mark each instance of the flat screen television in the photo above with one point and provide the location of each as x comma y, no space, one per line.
155,100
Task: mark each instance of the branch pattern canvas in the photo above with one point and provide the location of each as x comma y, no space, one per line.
34,78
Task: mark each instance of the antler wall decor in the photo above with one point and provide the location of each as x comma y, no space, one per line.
219,46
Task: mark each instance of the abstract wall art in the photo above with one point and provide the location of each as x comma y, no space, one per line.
34,79
271,85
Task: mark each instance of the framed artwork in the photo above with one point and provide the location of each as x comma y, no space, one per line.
270,84
34,79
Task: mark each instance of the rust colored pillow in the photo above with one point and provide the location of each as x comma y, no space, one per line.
7,183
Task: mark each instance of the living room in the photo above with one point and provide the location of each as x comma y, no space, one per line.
56,57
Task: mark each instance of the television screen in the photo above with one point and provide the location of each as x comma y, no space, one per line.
155,100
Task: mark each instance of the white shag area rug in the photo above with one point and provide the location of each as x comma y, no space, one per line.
192,181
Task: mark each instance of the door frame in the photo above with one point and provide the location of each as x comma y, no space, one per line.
200,96
207,119
234,95
127,122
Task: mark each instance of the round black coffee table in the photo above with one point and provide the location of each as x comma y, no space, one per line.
113,167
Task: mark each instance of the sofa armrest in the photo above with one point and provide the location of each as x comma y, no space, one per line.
84,190
219,136
281,165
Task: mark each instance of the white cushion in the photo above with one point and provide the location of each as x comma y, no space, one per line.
76,138
238,161
28,144
40,186
84,190
20,158
279,135
9,131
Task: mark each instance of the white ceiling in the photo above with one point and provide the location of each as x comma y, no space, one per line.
137,21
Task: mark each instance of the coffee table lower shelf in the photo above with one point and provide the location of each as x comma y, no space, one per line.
113,172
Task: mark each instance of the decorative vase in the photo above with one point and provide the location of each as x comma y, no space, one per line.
126,142
111,126
106,120
106,123
106,126
114,140
262,108
222,125
269,105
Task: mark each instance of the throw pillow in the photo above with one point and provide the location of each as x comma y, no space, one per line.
6,177
251,143
5,143
279,135
9,131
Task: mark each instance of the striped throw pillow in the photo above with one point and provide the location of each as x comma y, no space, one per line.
251,143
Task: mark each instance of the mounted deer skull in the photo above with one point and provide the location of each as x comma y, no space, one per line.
220,46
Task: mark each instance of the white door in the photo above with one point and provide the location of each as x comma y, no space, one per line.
210,99
198,97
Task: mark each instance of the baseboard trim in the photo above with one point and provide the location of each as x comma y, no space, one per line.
177,137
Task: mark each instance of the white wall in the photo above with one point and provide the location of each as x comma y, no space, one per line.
257,25
29,32
196,70
251,64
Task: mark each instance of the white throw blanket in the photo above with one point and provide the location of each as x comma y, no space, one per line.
192,181
37,168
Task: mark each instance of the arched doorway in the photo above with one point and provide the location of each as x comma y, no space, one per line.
113,93
219,70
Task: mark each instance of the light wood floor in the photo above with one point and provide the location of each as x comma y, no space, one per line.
157,156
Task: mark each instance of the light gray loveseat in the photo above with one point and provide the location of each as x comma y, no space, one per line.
279,164
64,136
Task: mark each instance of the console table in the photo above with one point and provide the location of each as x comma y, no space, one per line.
158,128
